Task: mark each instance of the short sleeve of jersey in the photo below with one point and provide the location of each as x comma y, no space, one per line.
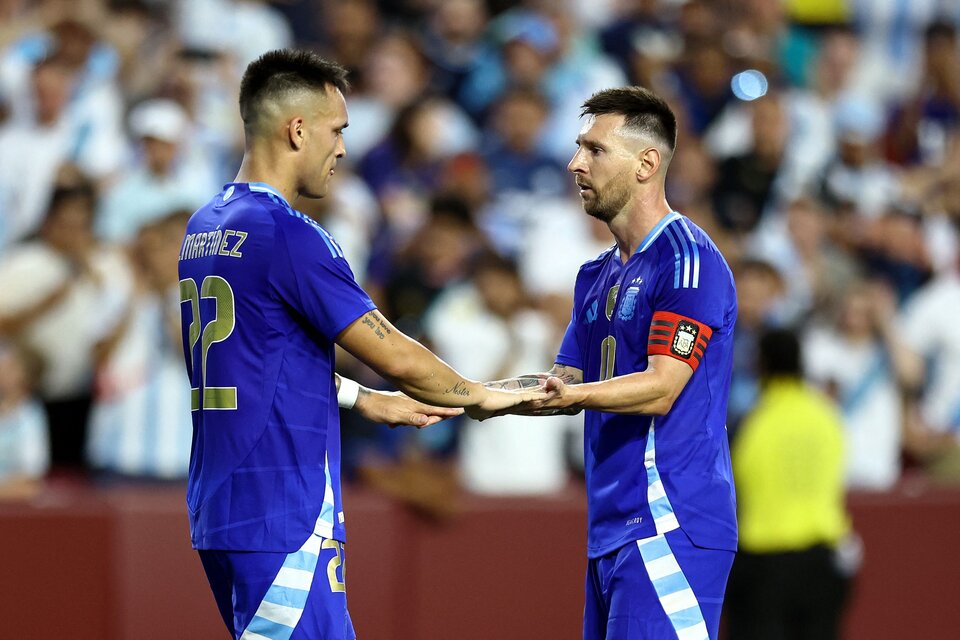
310,273
569,354
690,302
700,291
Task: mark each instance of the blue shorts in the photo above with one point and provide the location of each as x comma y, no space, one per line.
282,596
656,588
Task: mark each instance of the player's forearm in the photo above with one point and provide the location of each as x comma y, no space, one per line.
525,381
407,364
646,393
422,375
569,375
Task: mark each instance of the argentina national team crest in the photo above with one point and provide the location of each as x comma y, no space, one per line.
684,338
629,303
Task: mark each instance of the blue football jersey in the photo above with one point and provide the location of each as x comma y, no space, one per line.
264,291
647,475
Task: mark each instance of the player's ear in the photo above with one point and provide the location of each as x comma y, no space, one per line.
295,133
649,163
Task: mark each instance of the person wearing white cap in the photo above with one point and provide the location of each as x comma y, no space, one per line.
163,178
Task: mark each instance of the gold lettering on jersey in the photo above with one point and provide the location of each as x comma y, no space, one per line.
235,252
224,242
227,234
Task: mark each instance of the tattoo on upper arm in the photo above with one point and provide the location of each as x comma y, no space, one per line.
377,324
384,325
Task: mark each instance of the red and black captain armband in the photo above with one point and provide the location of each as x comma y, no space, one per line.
679,337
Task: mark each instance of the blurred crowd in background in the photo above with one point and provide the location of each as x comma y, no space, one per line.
819,147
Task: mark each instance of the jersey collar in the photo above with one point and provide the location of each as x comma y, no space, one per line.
657,230
263,187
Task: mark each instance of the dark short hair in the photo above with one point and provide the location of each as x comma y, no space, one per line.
68,193
642,109
284,70
779,354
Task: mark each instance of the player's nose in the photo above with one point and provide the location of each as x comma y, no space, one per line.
576,165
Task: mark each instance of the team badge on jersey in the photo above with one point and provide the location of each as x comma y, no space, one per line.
629,303
684,338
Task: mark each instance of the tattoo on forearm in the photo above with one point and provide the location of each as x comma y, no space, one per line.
568,375
528,381
459,389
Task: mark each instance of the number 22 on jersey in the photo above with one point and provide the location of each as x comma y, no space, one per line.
212,331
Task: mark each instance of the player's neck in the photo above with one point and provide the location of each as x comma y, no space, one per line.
632,226
258,167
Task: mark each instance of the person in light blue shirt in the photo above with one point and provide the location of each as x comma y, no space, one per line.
24,445
171,171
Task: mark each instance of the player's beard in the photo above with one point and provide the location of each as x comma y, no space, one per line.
616,193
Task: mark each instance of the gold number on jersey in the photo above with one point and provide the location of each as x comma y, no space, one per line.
608,357
336,585
215,330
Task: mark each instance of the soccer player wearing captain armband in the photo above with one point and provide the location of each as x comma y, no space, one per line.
265,294
648,355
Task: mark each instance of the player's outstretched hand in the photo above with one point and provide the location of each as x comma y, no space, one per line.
396,409
499,402
560,398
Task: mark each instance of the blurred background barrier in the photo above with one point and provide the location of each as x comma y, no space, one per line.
115,563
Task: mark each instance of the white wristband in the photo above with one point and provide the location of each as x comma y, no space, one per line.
347,395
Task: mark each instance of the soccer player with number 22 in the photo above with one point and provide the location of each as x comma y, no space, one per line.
265,294
648,355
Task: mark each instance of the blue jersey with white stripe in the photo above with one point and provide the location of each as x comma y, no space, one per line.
648,475
264,291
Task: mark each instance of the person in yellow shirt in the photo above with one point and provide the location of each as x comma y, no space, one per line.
788,464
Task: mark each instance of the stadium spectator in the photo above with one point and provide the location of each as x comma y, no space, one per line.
139,422
453,42
815,270
48,128
24,444
922,125
866,380
245,28
523,174
934,416
745,188
858,178
59,294
163,178
788,460
701,84
346,30
437,257
395,75
513,455
760,291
